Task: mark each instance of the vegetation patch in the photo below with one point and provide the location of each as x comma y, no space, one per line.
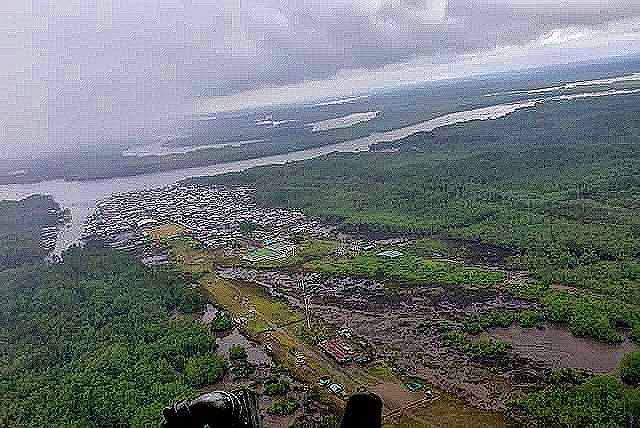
485,348
276,386
630,368
502,319
205,370
238,353
283,407
407,268
585,314
600,401
222,322
21,223
91,342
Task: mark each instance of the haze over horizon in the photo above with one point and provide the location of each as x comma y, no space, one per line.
81,72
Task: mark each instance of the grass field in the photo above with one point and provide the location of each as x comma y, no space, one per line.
408,268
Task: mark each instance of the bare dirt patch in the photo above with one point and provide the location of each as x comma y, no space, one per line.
557,347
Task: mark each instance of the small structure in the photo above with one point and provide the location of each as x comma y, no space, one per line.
338,350
300,360
157,260
414,386
390,254
336,388
146,223
362,359
324,381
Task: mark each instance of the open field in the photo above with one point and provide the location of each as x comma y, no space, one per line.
408,269
270,321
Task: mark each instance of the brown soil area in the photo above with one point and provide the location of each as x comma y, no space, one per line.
557,347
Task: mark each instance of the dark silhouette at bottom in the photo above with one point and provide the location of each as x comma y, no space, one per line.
364,410
221,409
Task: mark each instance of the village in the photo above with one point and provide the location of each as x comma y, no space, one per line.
217,218
227,222
337,333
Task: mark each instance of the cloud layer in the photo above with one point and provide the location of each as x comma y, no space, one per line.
75,71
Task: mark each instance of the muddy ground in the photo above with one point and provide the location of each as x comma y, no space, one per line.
263,368
560,349
403,325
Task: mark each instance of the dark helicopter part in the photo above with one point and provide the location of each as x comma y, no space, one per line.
237,409
364,410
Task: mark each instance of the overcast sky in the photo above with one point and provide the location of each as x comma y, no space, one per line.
79,70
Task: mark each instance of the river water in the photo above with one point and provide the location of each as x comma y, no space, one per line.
81,196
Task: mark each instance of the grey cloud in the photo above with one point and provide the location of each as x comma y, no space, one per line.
119,68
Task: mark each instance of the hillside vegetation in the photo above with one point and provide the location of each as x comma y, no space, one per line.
99,341
20,226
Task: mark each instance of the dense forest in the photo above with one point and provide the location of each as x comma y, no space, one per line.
99,341
567,205
558,187
20,226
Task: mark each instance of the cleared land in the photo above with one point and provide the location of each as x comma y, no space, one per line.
275,323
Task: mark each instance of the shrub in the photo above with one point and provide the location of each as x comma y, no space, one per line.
502,319
222,322
237,352
589,320
630,368
472,326
635,332
557,307
205,370
276,386
530,319
496,318
482,348
528,291
283,407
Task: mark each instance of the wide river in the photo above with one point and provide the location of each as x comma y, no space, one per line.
81,196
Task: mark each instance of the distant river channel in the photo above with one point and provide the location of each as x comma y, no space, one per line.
81,196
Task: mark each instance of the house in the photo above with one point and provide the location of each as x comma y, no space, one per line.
336,388
337,349
390,254
146,222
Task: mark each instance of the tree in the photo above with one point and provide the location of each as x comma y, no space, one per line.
283,407
237,352
630,368
276,386
222,322
205,370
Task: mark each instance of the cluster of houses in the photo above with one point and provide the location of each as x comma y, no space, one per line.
48,237
216,217
50,231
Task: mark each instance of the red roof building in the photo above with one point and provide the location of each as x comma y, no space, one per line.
337,349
